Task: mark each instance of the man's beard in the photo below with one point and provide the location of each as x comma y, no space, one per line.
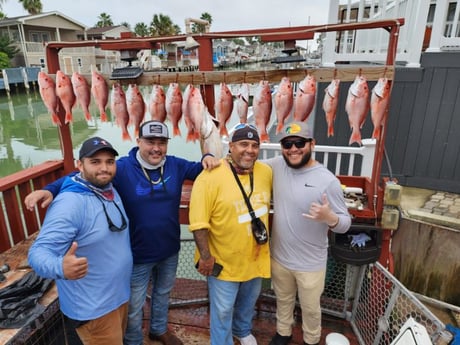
303,162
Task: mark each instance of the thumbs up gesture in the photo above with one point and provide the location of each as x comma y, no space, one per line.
73,266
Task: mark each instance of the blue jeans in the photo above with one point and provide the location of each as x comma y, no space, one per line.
231,308
163,276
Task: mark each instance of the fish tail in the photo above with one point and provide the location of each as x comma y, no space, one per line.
125,135
191,135
355,137
279,127
223,131
330,130
264,138
68,117
88,116
55,119
103,116
376,132
176,131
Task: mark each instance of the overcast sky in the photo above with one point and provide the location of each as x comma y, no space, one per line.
226,14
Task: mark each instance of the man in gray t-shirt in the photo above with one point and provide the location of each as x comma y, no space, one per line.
308,201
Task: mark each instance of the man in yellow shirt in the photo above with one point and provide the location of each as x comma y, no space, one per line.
229,210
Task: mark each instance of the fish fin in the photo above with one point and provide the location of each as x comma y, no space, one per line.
68,118
223,131
125,136
330,130
264,138
55,119
88,116
176,131
191,136
355,137
376,132
279,127
103,117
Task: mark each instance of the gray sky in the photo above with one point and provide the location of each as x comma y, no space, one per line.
227,15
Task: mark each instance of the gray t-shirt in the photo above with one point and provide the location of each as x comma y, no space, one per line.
299,243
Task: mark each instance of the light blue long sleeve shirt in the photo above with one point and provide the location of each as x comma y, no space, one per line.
76,214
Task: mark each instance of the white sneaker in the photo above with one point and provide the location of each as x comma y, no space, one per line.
248,340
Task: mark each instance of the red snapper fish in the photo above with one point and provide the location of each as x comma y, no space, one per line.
330,102
242,102
174,106
379,103
262,108
197,112
186,112
136,107
357,107
224,108
284,99
210,138
157,106
119,109
47,88
82,91
64,91
100,92
305,98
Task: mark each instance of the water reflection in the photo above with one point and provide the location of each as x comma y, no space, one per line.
28,137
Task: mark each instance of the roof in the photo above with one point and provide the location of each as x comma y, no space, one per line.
30,18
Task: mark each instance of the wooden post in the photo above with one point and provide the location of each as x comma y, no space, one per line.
52,59
205,64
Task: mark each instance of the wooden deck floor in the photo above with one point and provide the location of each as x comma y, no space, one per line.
191,322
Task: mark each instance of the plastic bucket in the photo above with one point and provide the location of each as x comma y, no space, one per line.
336,339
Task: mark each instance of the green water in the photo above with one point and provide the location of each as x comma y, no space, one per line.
28,137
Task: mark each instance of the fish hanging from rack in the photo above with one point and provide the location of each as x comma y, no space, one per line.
357,107
173,105
136,107
379,103
262,108
196,110
64,91
223,108
284,100
305,98
119,110
330,103
47,89
157,103
242,102
82,92
100,92
210,140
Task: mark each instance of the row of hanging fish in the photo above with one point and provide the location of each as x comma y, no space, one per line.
130,108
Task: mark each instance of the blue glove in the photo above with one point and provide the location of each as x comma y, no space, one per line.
456,332
359,240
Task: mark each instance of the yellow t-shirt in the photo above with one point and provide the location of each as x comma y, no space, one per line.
217,204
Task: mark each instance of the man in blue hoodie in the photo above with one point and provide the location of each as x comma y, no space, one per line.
84,245
150,184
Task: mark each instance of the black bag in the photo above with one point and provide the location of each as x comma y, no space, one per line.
259,230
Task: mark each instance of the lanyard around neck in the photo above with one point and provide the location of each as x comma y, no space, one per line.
245,196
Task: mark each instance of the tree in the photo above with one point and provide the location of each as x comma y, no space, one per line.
126,24
104,20
8,46
32,6
200,28
4,60
162,25
141,30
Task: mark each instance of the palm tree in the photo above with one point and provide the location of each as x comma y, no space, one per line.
126,24
141,29
32,6
162,25
104,20
200,28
